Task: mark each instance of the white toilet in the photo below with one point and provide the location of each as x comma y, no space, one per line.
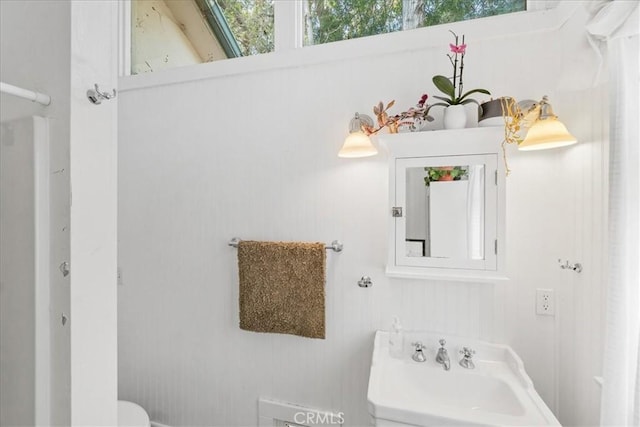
132,415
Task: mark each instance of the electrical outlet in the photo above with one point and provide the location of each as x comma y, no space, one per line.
545,302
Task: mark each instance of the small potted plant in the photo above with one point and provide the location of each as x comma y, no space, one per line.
445,173
414,117
454,114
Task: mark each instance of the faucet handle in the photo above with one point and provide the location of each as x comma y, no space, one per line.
467,352
418,356
442,342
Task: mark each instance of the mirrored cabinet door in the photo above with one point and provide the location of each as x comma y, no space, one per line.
445,201
446,205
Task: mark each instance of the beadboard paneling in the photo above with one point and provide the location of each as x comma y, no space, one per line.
254,156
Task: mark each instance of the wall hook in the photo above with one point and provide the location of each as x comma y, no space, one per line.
365,282
64,268
96,96
577,267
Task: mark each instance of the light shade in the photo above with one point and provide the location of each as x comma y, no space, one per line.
547,133
357,144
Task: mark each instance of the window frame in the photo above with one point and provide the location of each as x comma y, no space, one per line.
289,50
215,17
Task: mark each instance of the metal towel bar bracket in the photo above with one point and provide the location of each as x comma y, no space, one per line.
335,246
577,267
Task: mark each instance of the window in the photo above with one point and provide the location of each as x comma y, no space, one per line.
174,33
251,21
333,20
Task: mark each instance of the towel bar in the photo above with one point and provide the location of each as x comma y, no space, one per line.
335,246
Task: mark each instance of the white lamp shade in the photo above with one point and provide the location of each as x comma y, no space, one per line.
547,133
357,144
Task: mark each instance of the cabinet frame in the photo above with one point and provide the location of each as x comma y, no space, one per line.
433,148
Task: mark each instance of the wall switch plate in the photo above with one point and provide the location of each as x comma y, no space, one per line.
545,302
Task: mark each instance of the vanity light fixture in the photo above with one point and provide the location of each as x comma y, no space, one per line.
357,143
545,131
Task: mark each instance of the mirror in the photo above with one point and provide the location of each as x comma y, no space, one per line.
445,211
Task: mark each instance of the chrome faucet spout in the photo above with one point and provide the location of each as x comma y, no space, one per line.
443,356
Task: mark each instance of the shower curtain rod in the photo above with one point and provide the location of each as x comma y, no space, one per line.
38,97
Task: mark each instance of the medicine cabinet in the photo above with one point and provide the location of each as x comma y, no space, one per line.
446,204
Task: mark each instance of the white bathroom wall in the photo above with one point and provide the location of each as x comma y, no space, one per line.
193,173
93,217
582,296
31,57
62,48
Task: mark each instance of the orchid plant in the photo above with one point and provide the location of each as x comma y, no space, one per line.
452,87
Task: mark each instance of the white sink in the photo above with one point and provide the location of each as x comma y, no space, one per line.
498,392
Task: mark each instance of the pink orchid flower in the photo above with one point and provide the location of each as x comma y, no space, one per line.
458,49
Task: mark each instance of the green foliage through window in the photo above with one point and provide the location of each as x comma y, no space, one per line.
251,22
333,20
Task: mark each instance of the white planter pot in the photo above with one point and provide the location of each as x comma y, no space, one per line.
455,117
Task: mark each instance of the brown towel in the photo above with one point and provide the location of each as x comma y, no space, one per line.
282,287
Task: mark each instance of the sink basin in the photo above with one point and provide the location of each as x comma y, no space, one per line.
497,392
452,389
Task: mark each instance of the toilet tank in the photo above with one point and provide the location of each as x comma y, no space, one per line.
132,415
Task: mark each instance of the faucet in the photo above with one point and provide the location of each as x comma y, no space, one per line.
466,361
418,356
443,357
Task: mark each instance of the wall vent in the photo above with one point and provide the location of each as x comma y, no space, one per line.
272,413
